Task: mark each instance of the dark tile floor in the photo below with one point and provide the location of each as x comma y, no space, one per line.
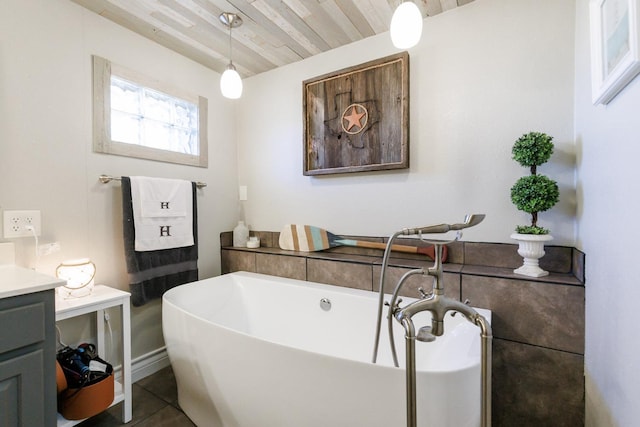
155,404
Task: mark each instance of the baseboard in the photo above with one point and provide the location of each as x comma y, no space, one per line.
145,365
149,364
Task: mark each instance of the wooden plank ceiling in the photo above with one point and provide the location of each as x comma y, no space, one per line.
274,32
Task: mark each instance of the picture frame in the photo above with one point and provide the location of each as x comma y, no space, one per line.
357,119
615,59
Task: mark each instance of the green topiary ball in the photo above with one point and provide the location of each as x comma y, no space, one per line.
534,193
532,149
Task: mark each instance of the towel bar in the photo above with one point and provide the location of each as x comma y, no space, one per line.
107,178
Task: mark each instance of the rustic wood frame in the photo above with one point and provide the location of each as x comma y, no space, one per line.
375,134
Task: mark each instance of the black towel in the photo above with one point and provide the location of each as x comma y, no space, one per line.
151,273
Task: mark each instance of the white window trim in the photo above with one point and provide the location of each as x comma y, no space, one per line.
102,142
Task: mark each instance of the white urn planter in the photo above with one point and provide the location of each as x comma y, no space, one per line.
531,249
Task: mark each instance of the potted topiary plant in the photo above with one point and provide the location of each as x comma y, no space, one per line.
533,194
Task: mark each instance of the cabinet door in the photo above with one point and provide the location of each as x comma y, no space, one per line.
22,390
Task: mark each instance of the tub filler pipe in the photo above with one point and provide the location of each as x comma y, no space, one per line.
486,338
410,368
485,383
436,303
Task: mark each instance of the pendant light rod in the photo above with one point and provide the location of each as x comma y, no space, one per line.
230,20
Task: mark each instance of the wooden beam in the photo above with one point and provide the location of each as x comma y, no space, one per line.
264,24
216,35
275,32
432,7
144,24
319,21
448,4
341,19
356,17
297,27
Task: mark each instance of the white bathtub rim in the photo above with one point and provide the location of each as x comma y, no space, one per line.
298,283
168,300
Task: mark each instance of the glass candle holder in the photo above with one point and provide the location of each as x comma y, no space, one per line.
79,274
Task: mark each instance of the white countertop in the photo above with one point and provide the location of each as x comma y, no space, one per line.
16,280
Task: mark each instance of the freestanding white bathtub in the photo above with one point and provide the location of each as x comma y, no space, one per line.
250,350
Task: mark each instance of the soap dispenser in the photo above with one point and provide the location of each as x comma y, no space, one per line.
240,235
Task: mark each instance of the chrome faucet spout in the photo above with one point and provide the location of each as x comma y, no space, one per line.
394,306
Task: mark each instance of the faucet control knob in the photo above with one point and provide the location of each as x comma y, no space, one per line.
396,306
423,294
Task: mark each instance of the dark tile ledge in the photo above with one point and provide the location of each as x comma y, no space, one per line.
565,264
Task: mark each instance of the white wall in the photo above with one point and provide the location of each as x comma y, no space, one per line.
608,184
46,160
482,75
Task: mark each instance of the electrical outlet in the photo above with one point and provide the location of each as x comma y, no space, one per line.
19,223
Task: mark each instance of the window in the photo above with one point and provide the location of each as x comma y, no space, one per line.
137,117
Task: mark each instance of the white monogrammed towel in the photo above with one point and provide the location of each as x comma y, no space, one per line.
162,213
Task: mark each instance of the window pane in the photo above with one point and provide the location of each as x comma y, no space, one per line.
157,106
125,96
125,127
194,143
185,141
150,118
186,115
157,135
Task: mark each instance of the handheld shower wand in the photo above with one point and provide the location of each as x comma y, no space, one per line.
469,221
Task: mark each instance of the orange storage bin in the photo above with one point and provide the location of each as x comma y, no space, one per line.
78,404
61,380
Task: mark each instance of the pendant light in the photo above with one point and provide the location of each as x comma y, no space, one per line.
230,81
406,25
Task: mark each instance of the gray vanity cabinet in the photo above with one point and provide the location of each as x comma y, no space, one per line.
27,360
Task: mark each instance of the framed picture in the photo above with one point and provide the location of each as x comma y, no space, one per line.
357,119
614,47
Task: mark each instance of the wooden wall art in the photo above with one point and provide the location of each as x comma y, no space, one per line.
357,119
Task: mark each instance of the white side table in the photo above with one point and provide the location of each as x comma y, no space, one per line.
101,298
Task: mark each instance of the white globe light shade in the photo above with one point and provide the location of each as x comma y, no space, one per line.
231,83
406,26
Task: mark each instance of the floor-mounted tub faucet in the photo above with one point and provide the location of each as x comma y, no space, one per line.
436,270
438,305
